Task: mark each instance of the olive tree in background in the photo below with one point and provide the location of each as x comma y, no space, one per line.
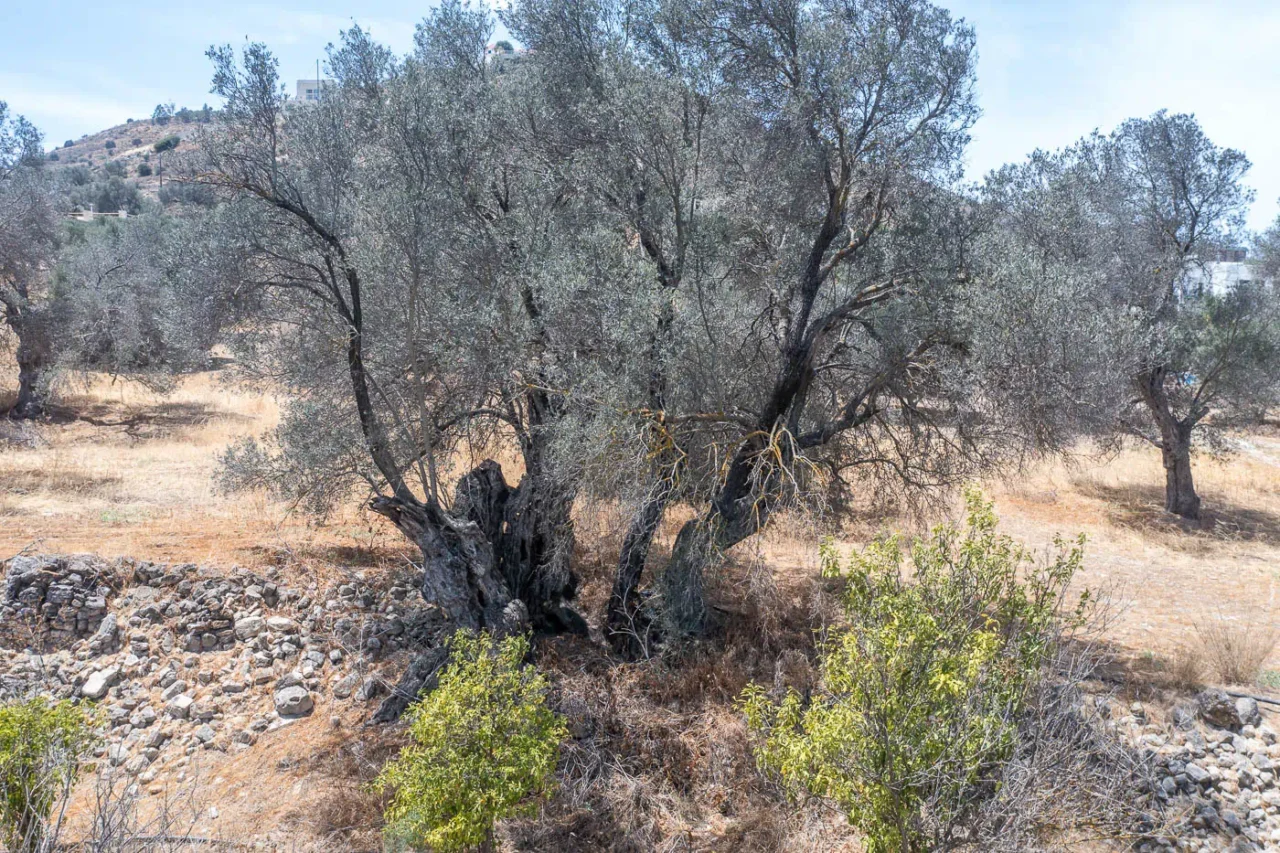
1135,219
138,297
129,297
28,241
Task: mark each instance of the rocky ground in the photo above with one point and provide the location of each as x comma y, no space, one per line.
185,660
1217,762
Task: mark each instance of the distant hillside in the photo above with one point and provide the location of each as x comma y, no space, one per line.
127,150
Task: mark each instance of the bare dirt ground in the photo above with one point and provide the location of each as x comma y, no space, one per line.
121,471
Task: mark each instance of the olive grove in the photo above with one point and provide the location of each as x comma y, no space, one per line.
709,253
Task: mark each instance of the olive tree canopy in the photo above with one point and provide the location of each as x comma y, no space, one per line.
707,252
1136,219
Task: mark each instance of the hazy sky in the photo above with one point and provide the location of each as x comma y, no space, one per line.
1049,70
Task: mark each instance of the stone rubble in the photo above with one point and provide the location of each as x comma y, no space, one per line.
1217,761
183,658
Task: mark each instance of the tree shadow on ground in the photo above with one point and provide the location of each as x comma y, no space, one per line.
388,555
1141,508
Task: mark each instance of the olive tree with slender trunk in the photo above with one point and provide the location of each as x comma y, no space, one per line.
1139,215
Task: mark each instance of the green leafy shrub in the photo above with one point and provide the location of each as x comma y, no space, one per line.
144,170
924,685
485,747
42,744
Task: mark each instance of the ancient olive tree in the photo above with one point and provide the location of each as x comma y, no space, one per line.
714,253
409,273
28,241
1131,223
785,176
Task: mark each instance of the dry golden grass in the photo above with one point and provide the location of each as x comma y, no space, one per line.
124,471
1168,579
119,470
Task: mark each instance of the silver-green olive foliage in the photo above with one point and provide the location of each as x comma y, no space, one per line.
716,252
1129,226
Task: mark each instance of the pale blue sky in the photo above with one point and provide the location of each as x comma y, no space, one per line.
1049,72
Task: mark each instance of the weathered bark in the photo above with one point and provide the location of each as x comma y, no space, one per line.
34,355
741,509
1180,496
627,627
460,576
490,565
680,586
459,569
530,531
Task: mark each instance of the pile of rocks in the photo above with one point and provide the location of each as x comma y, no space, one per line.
50,602
1218,761
185,658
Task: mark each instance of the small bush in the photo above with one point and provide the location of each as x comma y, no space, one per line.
42,744
924,687
136,141
144,170
485,747
110,144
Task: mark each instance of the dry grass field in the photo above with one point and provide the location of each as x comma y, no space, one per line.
121,471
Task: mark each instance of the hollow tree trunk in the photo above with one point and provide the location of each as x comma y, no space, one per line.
492,564
530,531
459,576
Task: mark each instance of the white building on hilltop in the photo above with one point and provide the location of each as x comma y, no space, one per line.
309,90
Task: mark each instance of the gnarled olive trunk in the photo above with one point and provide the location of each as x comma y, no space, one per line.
34,355
492,564
530,531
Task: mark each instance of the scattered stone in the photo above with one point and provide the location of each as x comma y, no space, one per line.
180,706
1218,709
346,685
250,627
100,682
294,702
